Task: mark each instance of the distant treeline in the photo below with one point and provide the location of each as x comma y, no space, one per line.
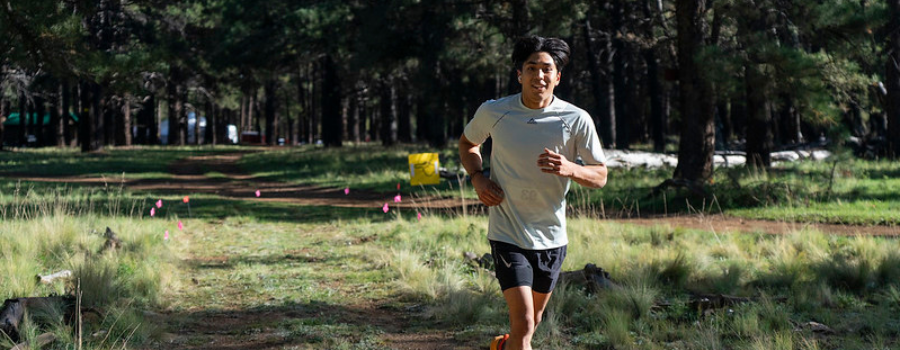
693,75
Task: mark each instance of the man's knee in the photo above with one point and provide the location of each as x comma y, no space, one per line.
523,324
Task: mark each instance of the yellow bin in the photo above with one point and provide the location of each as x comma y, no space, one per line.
423,169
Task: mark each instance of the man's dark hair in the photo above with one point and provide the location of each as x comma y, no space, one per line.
555,47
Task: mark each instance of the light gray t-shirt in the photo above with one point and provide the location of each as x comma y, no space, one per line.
533,212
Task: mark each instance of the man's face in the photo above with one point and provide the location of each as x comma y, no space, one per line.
539,77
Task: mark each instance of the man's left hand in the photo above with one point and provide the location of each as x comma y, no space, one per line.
554,163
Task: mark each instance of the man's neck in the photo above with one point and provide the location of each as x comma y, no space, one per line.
539,104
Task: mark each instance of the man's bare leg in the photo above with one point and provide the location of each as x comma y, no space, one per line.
540,303
520,301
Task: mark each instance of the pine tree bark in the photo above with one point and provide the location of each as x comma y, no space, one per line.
388,113
404,127
697,102
658,122
759,123
212,123
332,122
53,126
155,115
4,114
353,118
40,109
270,107
126,129
893,81
64,107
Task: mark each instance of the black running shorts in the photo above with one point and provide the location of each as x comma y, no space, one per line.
516,267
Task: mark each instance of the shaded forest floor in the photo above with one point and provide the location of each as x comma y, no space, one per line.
244,323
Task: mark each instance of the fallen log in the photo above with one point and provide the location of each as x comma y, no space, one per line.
707,302
593,278
40,342
13,312
54,276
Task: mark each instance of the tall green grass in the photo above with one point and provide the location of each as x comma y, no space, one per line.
789,279
43,234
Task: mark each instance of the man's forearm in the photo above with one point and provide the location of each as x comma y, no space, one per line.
593,176
470,156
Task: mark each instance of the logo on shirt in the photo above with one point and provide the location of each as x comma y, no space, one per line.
531,121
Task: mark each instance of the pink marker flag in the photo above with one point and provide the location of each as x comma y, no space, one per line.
152,212
166,237
419,215
346,191
159,203
257,193
397,199
186,199
385,208
180,226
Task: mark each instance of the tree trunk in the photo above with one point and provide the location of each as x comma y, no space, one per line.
759,123
621,79
106,124
332,123
182,112
270,107
313,104
23,117
64,107
40,109
697,102
658,121
212,122
301,101
4,113
353,118
154,118
52,128
90,110
388,112
519,29
196,131
597,85
893,81
404,126
70,124
126,129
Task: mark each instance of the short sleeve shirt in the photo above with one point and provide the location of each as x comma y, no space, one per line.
533,212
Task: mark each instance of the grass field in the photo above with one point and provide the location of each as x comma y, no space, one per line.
249,274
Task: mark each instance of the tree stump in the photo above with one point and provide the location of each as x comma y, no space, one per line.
593,278
112,241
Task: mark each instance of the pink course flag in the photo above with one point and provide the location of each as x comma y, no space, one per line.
346,191
385,208
180,226
159,203
419,215
397,199
186,199
257,193
152,212
166,237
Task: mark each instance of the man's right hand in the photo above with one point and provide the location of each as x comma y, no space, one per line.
488,191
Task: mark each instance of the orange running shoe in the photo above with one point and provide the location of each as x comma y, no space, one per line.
499,341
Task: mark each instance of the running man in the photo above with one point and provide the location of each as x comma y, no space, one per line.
536,141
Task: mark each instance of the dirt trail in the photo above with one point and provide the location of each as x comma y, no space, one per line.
188,175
